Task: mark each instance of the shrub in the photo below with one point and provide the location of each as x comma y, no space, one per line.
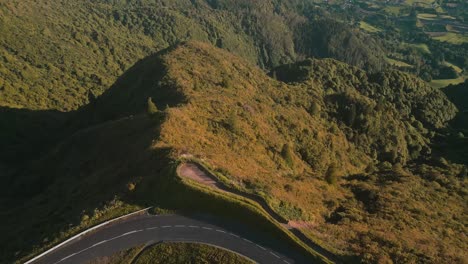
152,109
287,154
315,109
226,83
233,123
332,175
464,173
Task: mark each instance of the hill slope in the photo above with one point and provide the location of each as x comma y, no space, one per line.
61,54
343,154
282,140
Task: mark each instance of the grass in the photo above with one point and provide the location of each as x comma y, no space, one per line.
455,67
424,2
420,47
175,253
398,63
453,38
368,27
394,10
433,16
127,256
445,82
427,16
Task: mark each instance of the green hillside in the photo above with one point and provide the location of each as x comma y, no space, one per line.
346,153
61,54
299,102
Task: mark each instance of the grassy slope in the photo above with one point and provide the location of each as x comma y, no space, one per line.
398,63
234,110
454,38
446,82
122,257
223,109
368,27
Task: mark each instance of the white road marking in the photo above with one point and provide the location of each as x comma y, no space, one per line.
82,234
260,247
150,228
126,234
247,240
99,243
104,241
69,256
274,254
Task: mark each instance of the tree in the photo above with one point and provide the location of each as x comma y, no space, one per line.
332,175
152,109
274,75
226,83
351,115
315,109
287,154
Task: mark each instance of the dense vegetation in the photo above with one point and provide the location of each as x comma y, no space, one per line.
62,54
336,148
105,95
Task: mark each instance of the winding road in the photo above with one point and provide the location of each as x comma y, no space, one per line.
149,229
195,172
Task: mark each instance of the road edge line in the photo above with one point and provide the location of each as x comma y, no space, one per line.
83,233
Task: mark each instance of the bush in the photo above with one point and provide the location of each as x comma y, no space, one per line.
287,154
131,187
226,83
332,175
315,109
152,109
233,123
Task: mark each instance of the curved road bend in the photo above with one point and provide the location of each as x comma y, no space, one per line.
195,172
147,229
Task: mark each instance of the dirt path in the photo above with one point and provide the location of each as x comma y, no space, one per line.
197,173
192,171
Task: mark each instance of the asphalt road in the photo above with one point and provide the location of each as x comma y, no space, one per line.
146,229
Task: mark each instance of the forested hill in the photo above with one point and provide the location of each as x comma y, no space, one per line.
61,54
338,150
100,99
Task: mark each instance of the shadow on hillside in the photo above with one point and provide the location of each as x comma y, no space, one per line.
130,93
26,133
84,172
60,166
454,146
